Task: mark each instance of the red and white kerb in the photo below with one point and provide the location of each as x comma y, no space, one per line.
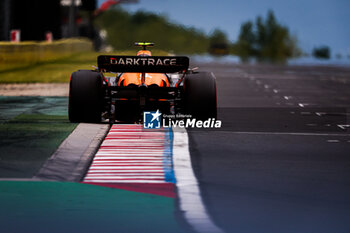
131,154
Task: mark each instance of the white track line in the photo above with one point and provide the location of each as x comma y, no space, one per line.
190,200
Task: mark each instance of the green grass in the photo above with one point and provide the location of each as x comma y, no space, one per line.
58,71
25,53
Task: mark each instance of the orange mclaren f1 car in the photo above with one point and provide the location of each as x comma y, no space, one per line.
141,83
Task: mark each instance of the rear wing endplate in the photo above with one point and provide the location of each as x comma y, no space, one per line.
138,64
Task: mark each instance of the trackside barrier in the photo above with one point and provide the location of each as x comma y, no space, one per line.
27,53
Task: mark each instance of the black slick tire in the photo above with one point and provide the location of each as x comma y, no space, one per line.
85,97
200,98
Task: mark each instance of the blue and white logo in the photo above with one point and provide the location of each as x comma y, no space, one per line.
151,120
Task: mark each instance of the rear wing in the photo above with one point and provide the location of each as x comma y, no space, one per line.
138,64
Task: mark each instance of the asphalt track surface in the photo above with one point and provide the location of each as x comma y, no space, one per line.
281,162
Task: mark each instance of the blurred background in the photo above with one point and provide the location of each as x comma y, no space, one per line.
250,31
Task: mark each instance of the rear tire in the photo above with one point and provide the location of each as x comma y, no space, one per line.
85,96
200,99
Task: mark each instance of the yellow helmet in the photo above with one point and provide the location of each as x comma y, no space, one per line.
144,45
